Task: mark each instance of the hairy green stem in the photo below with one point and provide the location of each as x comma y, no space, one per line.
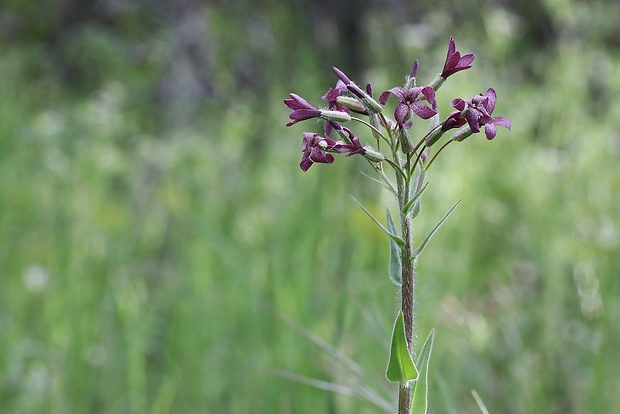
404,398
408,284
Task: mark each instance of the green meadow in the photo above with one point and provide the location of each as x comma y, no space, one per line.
162,252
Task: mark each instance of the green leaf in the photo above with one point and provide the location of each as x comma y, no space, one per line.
419,400
400,366
411,202
417,251
393,236
395,267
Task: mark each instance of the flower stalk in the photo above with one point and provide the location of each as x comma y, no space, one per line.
409,163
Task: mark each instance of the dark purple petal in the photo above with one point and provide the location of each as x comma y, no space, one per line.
473,120
341,75
317,155
453,121
451,47
357,91
422,110
305,163
398,91
401,113
414,69
297,102
490,130
454,61
429,93
491,100
353,148
303,114
459,104
501,121
313,147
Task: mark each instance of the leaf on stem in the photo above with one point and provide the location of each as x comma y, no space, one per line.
400,366
413,201
396,265
419,400
417,251
393,236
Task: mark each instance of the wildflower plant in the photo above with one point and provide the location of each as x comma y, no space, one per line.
397,146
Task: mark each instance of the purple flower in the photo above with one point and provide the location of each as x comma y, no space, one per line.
332,95
353,148
454,120
302,110
314,147
478,111
365,96
454,61
410,102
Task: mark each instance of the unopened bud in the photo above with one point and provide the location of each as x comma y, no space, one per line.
352,103
434,136
373,119
405,143
372,105
335,116
373,155
462,133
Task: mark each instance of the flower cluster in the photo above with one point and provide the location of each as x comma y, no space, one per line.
347,100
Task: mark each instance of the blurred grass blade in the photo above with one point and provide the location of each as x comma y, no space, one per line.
347,391
358,381
393,236
400,366
395,266
483,408
417,251
419,401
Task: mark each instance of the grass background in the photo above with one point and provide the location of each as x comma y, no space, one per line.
151,241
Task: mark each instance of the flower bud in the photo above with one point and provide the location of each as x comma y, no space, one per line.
372,105
462,133
373,119
373,155
434,136
405,143
335,116
352,103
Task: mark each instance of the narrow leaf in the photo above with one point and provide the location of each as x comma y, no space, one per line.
381,183
395,267
393,236
400,366
419,400
415,198
417,251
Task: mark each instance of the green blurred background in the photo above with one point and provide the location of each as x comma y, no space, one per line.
155,228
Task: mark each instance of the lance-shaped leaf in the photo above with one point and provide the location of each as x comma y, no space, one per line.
415,198
393,236
417,251
400,366
395,267
419,401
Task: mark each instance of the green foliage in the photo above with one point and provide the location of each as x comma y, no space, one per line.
395,266
393,236
419,399
400,365
428,237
